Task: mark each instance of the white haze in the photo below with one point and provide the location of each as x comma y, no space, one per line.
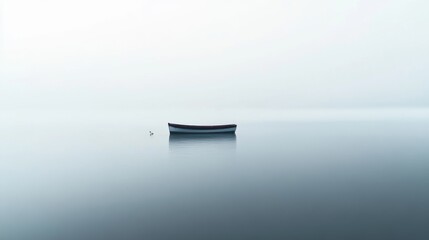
130,54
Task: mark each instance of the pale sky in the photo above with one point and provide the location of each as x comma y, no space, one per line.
135,54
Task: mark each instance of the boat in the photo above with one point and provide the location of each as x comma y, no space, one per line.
197,129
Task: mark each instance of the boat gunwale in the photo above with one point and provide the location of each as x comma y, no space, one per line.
202,127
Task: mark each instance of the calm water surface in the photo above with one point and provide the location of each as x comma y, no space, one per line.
272,180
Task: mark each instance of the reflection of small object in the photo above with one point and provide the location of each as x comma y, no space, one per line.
180,128
151,133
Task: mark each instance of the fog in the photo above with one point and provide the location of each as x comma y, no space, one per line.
330,99
129,54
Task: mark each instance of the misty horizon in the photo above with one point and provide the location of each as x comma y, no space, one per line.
263,54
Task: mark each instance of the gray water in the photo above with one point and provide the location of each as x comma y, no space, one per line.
272,180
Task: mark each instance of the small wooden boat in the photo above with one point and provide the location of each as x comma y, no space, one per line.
180,128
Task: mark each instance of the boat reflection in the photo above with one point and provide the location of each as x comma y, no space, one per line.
194,144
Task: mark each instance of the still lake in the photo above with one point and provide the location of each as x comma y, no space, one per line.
271,180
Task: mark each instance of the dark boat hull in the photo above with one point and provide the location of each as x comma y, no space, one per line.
198,129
